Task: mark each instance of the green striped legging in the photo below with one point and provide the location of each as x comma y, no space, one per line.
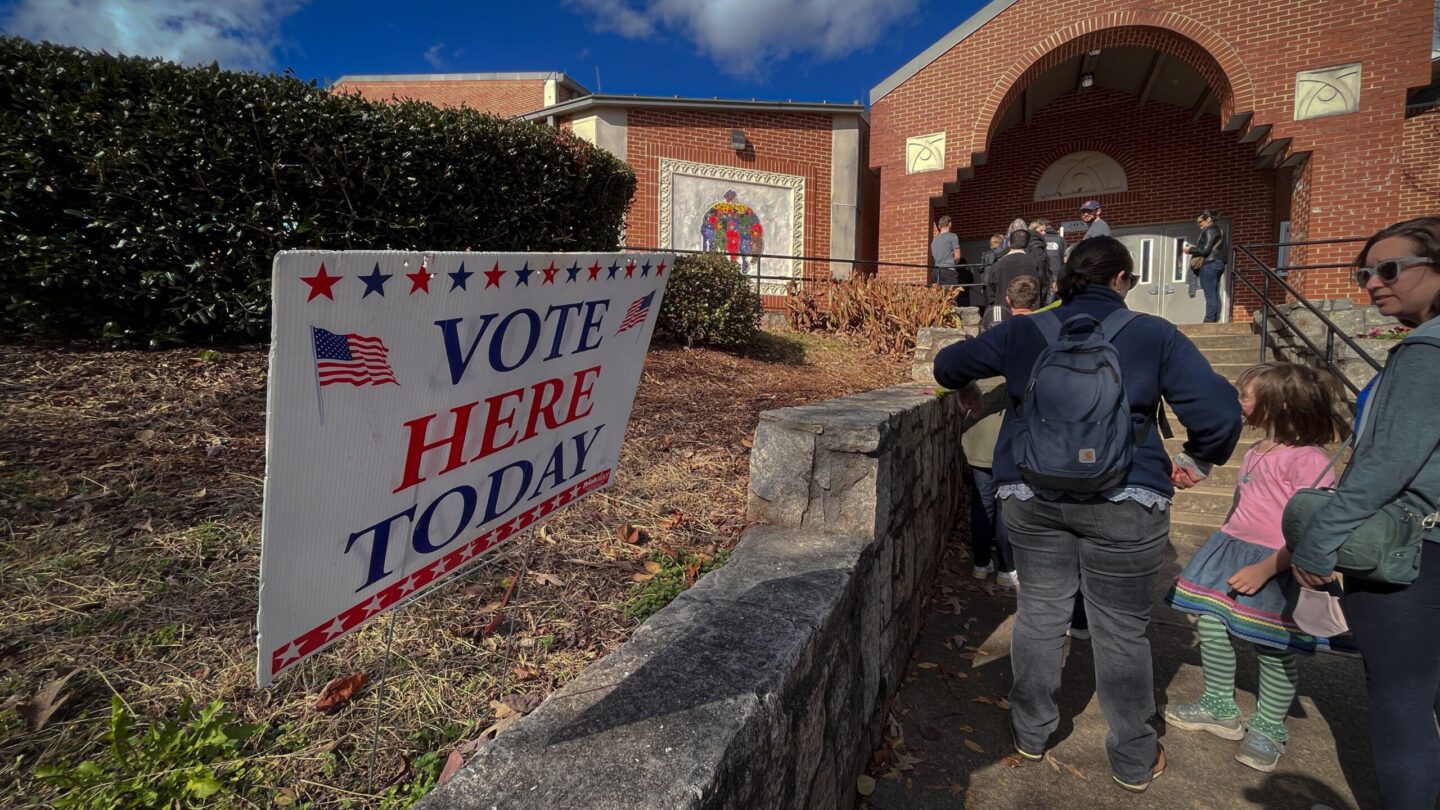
1278,677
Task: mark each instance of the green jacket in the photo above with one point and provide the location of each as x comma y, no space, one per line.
1397,450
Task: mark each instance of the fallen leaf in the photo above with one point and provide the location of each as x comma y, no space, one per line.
144,435
453,763
1053,763
692,573
547,579
521,704
1076,771
966,728
673,520
927,665
198,494
630,535
865,785
747,443
641,577
1011,761
974,746
523,674
38,710
985,699
339,691
1002,703
283,798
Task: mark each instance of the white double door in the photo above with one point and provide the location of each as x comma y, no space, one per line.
1164,272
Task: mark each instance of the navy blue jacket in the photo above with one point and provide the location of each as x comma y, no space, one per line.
1155,359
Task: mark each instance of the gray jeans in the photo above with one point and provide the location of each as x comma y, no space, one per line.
1110,552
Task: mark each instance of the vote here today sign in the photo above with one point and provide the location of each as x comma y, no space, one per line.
426,407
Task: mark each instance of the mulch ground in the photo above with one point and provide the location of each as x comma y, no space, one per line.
130,496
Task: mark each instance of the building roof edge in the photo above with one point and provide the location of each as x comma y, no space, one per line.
464,77
930,54
583,103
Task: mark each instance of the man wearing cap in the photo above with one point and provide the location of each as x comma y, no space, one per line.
1090,213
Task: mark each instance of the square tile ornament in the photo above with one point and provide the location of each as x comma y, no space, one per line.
925,153
1327,91
425,408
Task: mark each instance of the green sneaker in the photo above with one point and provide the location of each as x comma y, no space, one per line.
1194,717
1259,752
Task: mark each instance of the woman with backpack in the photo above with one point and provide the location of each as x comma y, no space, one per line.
1086,484
1396,464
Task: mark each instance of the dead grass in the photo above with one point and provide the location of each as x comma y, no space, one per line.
130,489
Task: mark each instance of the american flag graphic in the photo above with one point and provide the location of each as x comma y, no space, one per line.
351,359
637,312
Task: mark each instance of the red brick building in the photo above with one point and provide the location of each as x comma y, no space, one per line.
504,94
1291,118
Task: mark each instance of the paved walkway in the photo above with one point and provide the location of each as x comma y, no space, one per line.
953,735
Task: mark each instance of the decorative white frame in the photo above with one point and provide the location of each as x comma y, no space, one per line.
1327,91
1106,172
794,182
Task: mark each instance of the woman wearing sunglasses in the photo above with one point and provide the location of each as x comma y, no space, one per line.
1397,451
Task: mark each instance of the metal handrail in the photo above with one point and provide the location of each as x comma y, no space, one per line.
1273,275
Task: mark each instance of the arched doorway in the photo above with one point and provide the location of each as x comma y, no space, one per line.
1136,126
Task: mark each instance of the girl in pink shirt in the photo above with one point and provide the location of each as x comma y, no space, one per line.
1239,582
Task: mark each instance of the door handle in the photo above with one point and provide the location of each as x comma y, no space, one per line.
1169,290
1154,291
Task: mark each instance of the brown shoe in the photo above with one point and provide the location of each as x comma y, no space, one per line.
1154,773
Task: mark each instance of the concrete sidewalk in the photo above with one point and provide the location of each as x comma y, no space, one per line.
954,748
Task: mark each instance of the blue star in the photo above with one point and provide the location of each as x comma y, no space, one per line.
523,275
644,269
614,268
459,277
375,282
573,272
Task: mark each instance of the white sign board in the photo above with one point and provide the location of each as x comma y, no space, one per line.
426,407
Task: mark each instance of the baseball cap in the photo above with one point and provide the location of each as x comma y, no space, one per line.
1091,205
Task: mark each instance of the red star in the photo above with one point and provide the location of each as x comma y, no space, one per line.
630,269
420,280
660,271
594,271
550,273
492,277
320,284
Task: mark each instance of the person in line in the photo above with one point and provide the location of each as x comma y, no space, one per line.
1210,250
945,254
1052,248
1109,545
988,257
1397,453
1015,263
1239,583
989,541
1095,225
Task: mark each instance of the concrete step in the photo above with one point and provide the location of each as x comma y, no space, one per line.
1207,342
1231,371
1194,329
1189,532
1209,502
1249,355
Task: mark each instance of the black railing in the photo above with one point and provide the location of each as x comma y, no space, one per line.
1273,280
870,264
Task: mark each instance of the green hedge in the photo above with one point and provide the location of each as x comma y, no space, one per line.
709,301
142,201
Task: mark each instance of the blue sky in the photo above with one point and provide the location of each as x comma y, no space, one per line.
807,50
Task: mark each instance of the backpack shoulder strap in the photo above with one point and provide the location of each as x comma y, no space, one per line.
1116,322
1049,325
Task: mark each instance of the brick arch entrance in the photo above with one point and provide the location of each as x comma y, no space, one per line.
1169,33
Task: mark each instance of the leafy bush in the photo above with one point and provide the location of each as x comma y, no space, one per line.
166,765
671,578
145,201
885,315
709,301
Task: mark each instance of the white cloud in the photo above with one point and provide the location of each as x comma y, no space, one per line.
745,37
434,58
236,33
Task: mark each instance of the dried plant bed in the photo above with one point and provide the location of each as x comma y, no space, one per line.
130,490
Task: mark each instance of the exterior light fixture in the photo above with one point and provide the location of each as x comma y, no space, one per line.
1087,81
1095,52
737,140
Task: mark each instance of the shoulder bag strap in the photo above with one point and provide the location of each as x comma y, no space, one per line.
1049,325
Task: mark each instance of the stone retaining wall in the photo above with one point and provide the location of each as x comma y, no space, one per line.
765,685
1352,319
